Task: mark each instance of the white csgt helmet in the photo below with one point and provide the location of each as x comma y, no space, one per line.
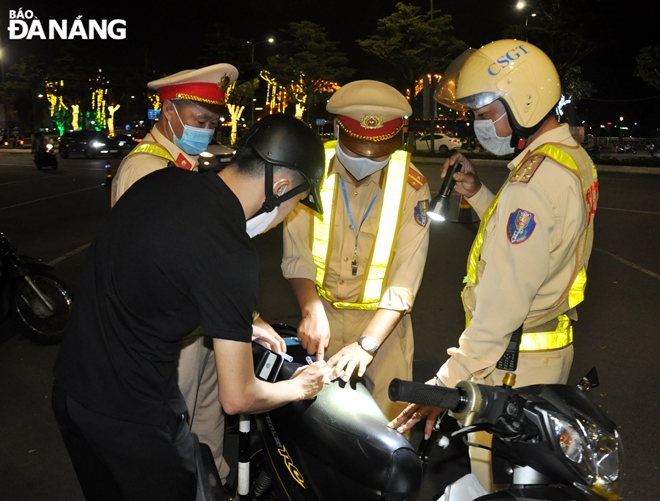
517,73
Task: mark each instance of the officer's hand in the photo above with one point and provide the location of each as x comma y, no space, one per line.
350,358
467,181
414,413
311,378
265,335
314,333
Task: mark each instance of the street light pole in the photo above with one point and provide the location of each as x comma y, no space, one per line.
252,44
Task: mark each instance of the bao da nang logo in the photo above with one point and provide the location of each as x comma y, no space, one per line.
25,25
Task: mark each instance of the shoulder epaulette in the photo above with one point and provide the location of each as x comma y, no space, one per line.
527,170
415,179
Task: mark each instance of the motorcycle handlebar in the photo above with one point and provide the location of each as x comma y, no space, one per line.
425,394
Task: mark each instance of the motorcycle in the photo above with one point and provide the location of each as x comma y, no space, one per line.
38,302
552,441
650,147
626,148
45,157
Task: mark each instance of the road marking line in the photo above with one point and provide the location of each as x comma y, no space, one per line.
69,254
47,198
628,263
629,210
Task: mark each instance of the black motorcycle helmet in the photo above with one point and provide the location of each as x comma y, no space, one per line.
288,142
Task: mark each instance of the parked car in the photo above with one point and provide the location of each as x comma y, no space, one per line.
442,142
88,142
216,156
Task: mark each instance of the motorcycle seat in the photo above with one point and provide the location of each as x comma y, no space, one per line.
342,440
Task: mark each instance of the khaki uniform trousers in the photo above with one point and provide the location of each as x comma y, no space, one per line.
534,367
198,382
393,360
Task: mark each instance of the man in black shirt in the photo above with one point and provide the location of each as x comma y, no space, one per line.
173,254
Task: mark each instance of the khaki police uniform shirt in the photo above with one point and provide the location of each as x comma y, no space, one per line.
405,272
138,165
518,282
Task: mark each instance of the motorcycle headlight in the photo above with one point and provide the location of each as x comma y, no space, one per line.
596,453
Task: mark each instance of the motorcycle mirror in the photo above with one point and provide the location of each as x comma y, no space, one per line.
589,381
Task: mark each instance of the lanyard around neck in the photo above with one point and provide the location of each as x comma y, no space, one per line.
356,229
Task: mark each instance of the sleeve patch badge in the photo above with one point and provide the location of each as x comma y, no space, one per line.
520,226
421,216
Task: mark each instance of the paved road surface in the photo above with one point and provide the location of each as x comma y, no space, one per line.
53,215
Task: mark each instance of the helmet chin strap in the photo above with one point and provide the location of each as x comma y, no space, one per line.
272,200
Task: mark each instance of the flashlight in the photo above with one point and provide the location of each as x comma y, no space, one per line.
439,207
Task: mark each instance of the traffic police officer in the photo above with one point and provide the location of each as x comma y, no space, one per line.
191,103
527,266
356,270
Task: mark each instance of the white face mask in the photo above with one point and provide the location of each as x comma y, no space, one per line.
487,136
258,224
359,167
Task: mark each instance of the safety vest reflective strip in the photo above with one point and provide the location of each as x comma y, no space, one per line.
153,149
539,341
563,335
392,204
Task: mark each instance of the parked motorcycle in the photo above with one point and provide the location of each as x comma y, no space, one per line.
37,301
337,446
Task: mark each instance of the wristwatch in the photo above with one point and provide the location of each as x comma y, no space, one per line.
368,344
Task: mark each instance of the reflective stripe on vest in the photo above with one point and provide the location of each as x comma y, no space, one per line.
559,338
153,149
563,335
396,174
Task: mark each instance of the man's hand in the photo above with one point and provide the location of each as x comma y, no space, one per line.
348,359
265,335
311,378
467,181
314,333
413,414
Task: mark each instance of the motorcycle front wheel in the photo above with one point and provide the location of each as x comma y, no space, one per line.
39,321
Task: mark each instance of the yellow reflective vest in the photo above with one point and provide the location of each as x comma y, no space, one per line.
394,188
154,149
561,335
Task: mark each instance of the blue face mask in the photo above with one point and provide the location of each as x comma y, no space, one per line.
194,140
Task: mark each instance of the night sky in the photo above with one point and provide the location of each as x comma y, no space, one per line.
172,33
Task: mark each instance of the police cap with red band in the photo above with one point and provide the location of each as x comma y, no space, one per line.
205,86
370,117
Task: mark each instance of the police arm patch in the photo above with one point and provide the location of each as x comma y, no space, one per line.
520,226
421,216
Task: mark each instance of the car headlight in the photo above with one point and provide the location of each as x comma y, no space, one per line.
97,144
596,453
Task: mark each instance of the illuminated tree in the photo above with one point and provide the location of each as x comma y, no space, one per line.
237,97
111,119
75,114
306,59
59,112
99,87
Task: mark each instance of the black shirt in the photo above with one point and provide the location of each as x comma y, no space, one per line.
172,255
